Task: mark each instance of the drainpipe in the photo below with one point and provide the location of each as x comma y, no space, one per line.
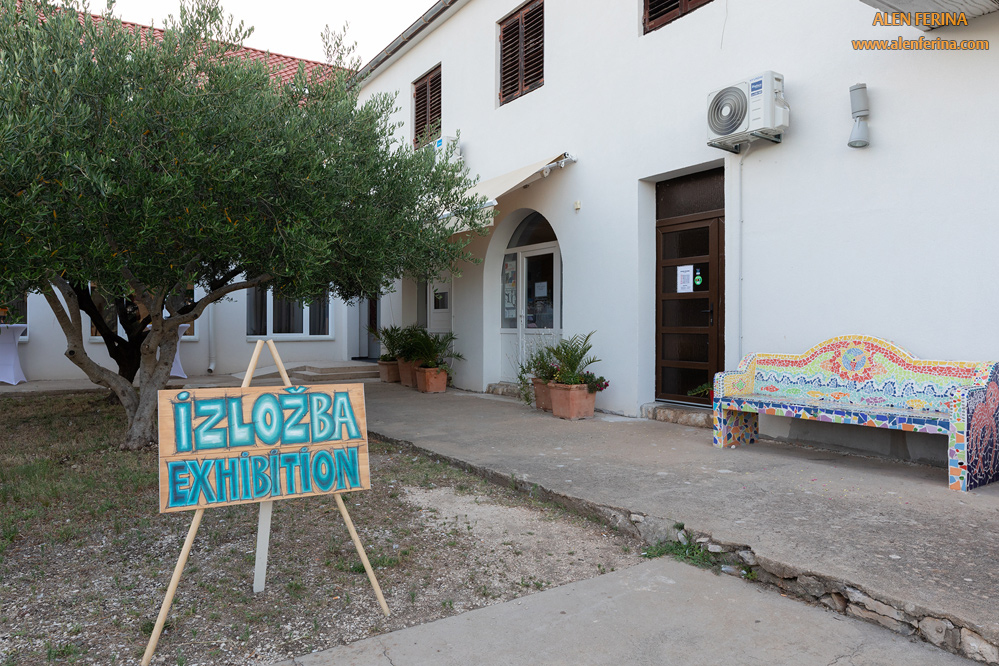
742,253
211,339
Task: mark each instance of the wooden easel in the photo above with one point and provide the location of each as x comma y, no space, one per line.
263,529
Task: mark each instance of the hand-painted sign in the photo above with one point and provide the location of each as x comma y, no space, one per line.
227,446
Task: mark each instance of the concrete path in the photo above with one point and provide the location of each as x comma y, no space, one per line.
661,612
891,538
886,541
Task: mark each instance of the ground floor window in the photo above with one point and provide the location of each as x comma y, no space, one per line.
268,314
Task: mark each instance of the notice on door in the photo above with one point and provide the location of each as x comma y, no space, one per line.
684,279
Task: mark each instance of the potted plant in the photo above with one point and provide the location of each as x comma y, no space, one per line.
433,350
405,353
534,375
388,363
705,390
573,389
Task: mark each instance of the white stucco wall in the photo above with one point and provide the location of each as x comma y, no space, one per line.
892,240
42,355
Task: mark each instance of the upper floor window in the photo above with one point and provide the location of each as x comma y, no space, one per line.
660,12
427,108
522,51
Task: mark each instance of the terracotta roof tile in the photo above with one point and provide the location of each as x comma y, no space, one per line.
283,68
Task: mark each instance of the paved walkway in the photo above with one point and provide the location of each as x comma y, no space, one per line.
654,614
891,538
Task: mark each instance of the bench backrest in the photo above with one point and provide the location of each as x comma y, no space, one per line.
863,370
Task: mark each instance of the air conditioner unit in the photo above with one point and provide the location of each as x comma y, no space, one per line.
748,110
441,146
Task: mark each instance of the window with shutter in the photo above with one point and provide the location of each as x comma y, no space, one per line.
522,51
660,12
427,108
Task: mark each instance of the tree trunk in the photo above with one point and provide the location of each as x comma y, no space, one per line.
156,351
153,372
126,352
143,428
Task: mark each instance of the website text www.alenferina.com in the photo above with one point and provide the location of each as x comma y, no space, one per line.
921,19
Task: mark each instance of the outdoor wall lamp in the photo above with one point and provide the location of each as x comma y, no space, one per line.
859,137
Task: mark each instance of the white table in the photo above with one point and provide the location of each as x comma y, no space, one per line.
177,370
10,364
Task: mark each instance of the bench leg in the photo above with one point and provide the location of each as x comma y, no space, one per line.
735,428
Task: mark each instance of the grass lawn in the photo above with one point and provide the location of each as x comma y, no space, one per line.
85,555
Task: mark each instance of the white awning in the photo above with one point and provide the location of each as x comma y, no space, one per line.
494,188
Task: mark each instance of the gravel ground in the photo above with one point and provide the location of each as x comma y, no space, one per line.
84,586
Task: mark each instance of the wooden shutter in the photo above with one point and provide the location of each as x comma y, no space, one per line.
427,106
434,101
522,51
534,46
660,12
510,59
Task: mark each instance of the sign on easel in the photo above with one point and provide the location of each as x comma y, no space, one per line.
226,446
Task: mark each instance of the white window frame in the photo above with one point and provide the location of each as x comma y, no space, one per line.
290,337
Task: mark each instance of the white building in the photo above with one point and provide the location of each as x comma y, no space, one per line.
587,123
794,242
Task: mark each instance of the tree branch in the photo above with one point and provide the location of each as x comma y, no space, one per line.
86,301
69,320
210,298
225,279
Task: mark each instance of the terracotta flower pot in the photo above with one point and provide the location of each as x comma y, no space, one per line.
572,401
431,380
406,376
542,394
388,371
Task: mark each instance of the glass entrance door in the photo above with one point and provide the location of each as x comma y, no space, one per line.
531,304
541,316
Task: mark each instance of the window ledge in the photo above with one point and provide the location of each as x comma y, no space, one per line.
291,337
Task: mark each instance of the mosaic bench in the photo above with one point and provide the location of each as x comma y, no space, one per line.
868,381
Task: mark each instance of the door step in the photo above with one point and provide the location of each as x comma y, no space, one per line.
507,389
695,417
332,375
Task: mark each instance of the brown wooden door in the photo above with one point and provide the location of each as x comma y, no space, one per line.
689,317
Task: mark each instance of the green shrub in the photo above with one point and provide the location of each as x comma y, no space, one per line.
572,356
390,337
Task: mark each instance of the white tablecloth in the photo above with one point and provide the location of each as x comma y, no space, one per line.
10,364
178,370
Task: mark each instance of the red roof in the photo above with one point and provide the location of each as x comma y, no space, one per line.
283,68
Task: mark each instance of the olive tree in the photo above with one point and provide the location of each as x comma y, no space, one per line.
136,164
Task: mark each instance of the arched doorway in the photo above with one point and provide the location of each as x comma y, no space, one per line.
531,299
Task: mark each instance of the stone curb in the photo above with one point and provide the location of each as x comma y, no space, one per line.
936,627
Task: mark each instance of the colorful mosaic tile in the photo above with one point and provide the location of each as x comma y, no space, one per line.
868,381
